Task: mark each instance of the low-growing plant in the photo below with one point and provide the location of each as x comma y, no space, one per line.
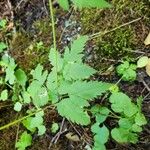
67,88
127,71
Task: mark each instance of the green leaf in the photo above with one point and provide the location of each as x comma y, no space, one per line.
27,124
26,97
140,119
39,75
101,113
9,65
136,128
21,77
125,123
55,59
121,103
77,47
4,95
17,106
37,122
24,141
72,109
127,71
54,127
122,135
3,46
84,3
142,62
41,130
90,4
85,90
101,136
77,71
3,23
38,93
64,4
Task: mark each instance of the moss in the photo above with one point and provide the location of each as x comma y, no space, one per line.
116,44
94,20
43,31
119,44
29,50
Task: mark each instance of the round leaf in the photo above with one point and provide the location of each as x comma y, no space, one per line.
4,95
142,62
18,106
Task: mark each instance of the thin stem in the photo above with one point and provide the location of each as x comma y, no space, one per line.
17,121
23,118
95,35
54,39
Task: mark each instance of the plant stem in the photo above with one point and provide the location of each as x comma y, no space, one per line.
23,118
54,38
17,121
98,34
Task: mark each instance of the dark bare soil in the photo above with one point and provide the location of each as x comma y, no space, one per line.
25,14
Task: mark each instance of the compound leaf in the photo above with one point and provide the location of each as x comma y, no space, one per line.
85,90
77,71
77,47
72,109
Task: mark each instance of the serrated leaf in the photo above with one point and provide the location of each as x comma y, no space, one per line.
18,106
142,62
77,71
92,3
55,59
64,4
38,93
4,95
24,141
77,47
39,75
72,109
84,3
85,90
21,77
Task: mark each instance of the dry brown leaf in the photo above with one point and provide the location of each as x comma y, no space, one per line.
147,40
72,137
148,67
